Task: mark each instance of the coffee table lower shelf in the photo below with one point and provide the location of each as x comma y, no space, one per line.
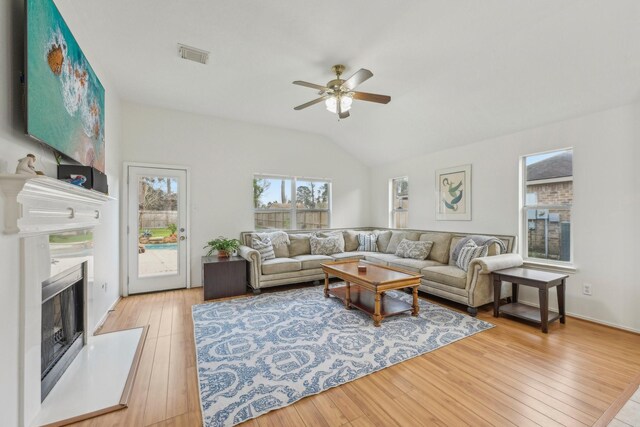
527,312
364,300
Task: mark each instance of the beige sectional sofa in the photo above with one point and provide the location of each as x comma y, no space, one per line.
295,264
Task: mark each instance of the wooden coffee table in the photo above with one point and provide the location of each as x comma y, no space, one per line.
366,291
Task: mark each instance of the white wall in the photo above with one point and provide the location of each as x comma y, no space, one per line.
224,154
605,211
14,145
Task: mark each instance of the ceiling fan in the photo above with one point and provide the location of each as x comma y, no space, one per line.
338,94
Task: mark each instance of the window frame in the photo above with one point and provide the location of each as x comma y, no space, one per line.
524,219
294,209
392,199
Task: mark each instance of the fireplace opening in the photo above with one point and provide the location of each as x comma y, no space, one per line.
62,324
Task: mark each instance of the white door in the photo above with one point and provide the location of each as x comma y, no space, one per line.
157,229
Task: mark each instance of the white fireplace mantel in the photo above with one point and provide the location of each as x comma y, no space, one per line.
39,204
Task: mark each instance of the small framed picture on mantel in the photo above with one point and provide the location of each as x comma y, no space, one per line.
453,193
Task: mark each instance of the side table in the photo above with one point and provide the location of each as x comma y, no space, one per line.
542,280
224,277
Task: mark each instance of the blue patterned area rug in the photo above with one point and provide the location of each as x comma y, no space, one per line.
261,353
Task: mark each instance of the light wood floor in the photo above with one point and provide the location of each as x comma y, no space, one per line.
510,375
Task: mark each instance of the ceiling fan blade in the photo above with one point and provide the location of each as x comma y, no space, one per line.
360,76
310,103
344,115
371,97
311,85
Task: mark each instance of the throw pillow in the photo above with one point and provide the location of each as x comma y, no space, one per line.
337,234
367,242
383,238
412,249
264,247
350,240
279,240
299,244
327,245
469,252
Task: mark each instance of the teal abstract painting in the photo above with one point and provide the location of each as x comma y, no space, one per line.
65,99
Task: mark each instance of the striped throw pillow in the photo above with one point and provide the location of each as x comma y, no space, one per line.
367,242
469,252
264,247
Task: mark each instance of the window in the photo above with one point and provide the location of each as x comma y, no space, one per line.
399,202
546,202
285,203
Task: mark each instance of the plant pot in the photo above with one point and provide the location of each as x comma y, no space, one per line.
223,254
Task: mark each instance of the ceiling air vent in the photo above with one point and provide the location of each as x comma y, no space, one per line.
193,54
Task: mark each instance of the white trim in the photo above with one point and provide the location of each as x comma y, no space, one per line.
587,318
523,230
293,210
40,205
124,258
551,180
536,263
103,319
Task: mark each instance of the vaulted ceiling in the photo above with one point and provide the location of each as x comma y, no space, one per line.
457,71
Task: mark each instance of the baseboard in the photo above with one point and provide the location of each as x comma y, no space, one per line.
589,319
105,315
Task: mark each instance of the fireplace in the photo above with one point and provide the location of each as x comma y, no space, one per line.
50,223
62,321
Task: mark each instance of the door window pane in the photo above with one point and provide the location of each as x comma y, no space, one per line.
157,226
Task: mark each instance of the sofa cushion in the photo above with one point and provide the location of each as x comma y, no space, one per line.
350,255
279,239
383,239
281,265
440,249
415,265
446,274
264,248
398,236
415,250
367,242
350,240
380,258
327,245
299,244
452,245
468,253
313,261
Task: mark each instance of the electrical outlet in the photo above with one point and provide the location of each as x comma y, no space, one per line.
586,289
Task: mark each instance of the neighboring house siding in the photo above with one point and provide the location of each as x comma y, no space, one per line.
557,193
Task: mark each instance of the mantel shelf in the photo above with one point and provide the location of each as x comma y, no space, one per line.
39,204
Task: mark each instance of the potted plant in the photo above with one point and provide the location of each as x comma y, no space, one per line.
223,245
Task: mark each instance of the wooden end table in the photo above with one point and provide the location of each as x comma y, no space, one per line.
543,280
366,290
224,277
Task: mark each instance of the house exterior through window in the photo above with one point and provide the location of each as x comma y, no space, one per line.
546,206
289,202
399,203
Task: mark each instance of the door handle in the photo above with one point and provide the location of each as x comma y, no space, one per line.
183,238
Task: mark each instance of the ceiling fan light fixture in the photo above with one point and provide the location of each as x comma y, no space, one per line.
345,103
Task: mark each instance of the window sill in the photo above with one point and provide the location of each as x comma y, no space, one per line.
564,268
